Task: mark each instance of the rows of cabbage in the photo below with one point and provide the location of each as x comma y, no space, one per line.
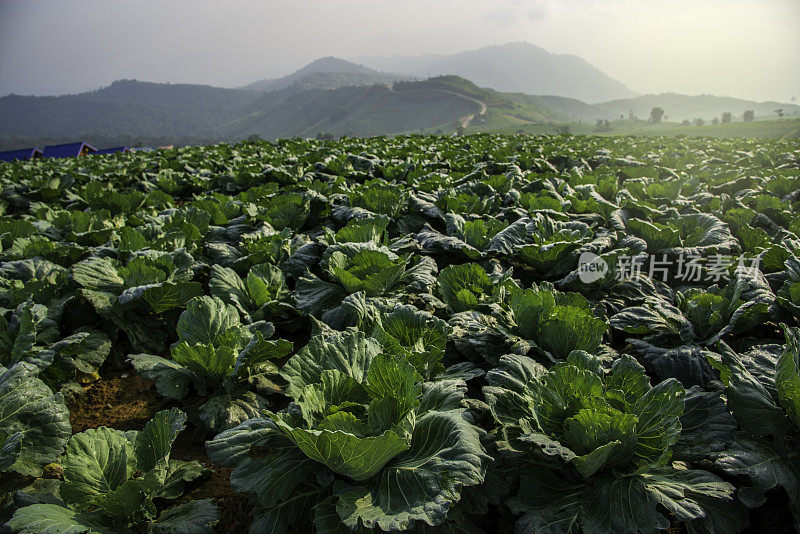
401,334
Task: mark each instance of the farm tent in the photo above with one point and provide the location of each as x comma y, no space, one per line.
21,154
68,150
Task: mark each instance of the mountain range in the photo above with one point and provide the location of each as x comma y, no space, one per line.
499,87
327,72
514,68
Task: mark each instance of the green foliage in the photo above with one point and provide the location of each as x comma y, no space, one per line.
111,479
367,416
472,345
615,430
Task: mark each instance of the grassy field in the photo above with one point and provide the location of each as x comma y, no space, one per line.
786,128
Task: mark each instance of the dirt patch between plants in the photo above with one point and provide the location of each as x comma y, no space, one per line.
125,401
118,400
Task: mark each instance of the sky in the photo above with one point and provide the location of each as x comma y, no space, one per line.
741,48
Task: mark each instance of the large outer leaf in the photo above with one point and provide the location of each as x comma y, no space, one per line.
433,242
265,282
228,411
787,375
178,473
124,501
480,338
659,425
420,277
423,483
550,503
193,517
656,317
55,519
165,296
172,379
442,395
205,360
98,274
687,363
204,319
354,457
350,353
259,351
292,513
25,337
314,296
758,460
97,462
10,447
154,441
706,425
228,286
748,398
39,418
630,505
510,393
272,477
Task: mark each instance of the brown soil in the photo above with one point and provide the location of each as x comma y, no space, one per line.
234,508
119,400
125,401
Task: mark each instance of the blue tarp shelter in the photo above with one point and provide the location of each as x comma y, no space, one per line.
21,154
68,150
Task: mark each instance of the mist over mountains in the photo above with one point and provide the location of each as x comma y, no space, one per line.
514,68
327,72
498,87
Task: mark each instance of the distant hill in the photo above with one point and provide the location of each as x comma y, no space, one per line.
129,108
326,73
515,67
133,112
680,107
436,104
126,107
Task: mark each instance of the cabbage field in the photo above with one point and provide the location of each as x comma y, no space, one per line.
531,334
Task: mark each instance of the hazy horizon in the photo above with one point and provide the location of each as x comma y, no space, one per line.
739,48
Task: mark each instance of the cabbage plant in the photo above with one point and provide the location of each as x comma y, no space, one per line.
701,315
363,267
135,294
34,421
230,363
364,442
592,449
32,335
763,393
112,480
553,322
262,295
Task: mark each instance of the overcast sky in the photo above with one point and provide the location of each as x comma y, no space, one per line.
743,48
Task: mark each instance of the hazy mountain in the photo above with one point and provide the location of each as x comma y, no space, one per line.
315,102
515,67
126,107
326,73
436,104
132,108
680,107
